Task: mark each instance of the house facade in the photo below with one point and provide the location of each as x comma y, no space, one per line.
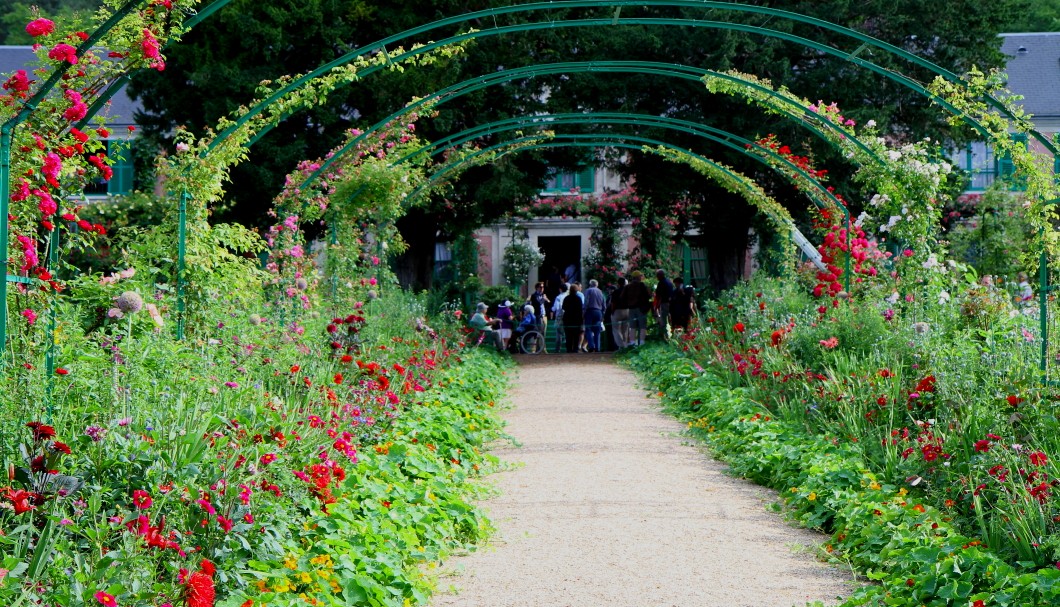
1033,72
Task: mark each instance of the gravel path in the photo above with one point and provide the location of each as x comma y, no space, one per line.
613,509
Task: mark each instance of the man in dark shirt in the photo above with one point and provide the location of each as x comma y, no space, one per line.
664,291
638,300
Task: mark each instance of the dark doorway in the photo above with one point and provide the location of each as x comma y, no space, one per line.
561,252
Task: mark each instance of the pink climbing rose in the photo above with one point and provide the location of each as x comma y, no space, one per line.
63,52
40,27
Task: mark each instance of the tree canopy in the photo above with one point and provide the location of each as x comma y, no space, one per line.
217,66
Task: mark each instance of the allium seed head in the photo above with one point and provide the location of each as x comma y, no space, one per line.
129,302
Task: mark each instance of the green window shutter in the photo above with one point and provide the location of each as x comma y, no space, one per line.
120,154
587,180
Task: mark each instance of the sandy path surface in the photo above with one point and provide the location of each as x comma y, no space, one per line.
613,509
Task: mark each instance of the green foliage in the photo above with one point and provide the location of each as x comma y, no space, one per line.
519,258
120,216
882,528
248,404
995,235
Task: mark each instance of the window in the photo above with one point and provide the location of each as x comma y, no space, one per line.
568,182
977,159
119,151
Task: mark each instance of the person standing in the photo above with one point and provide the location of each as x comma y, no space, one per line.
1026,293
638,298
557,314
541,302
505,316
573,319
680,306
594,315
619,314
664,292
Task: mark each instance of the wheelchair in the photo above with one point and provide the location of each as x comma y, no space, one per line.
531,342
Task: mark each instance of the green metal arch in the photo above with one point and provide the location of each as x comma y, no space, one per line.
865,40
639,67
734,142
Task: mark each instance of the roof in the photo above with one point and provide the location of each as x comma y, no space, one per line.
122,108
1034,71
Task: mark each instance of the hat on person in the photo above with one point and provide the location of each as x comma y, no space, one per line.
637,274
481,306
507,303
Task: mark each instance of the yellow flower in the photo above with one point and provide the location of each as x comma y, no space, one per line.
812,496
874,486
903,491
305,577
794,489
290,562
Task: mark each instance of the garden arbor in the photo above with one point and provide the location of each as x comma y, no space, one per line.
283,101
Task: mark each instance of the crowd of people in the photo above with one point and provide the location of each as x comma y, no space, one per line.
591,318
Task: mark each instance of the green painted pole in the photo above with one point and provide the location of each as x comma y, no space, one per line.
1043,287
49,358
5,172
182,246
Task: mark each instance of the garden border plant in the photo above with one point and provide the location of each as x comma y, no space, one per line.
878,528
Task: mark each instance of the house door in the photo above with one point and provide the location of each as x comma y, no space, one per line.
562,254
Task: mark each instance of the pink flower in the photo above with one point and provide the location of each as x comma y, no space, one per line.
63,52
40,27
51,167
18,83
830,343
225,523
149,45
30,315
78,109
107,600
142,499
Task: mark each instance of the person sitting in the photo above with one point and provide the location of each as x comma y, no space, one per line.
528,323
482,323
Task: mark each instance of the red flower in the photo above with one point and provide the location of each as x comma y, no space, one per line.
926,385
198,588
60,447
982,446
40,27
142,499
225,523
1013,400
21,499
1038,458
105,599
738,327
41,431
63,52
61,371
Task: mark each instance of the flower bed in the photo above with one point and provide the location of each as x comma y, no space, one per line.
322,462
885,530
